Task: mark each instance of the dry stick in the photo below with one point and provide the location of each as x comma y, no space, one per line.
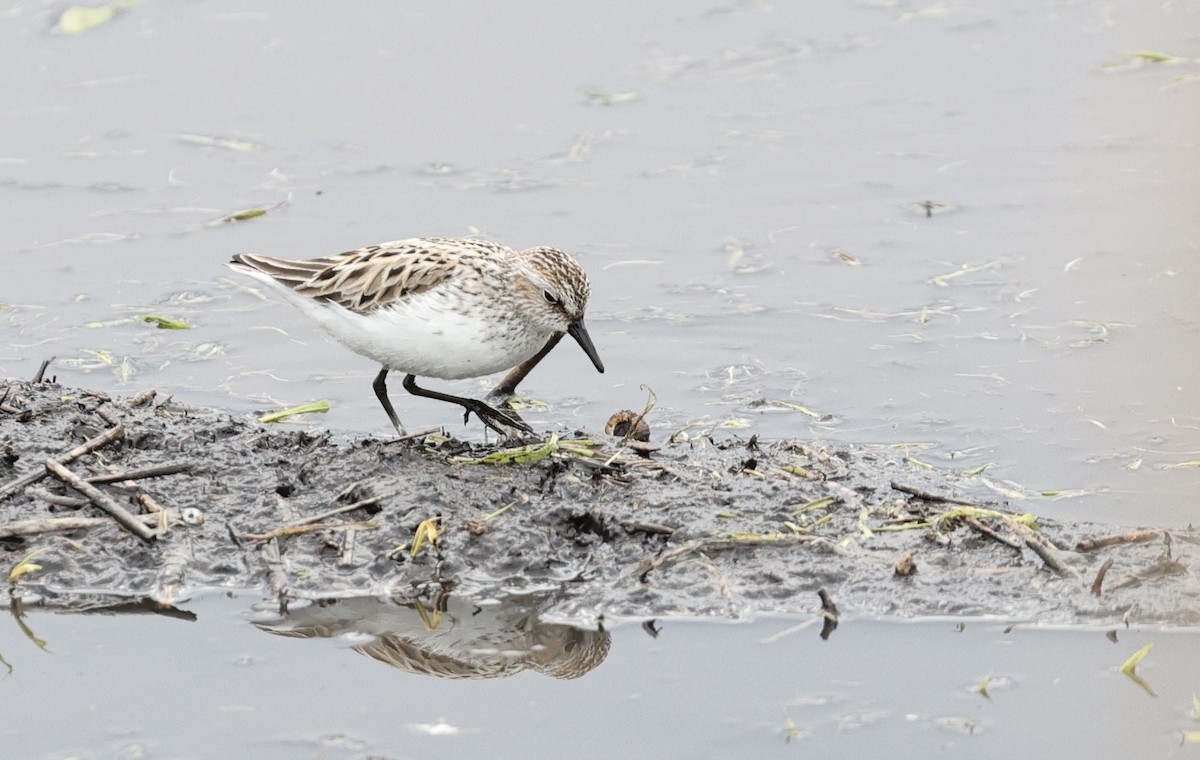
108,436
144,397
1136,536
54,499
147,472
147,501
299,529
56,524
418,434
102,500
339,510
929,496
1099,582
985,530
346,558
105,412
714,544
42,370
1039,545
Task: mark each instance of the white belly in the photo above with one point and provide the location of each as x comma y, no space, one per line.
428,340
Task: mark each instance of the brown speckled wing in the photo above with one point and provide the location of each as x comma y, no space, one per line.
368,278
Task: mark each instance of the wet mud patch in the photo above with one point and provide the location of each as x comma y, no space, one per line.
577,526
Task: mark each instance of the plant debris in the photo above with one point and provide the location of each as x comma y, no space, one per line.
714,523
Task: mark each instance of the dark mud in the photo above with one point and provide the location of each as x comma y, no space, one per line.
595,526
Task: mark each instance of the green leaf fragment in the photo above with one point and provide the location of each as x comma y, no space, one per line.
1129,666
243,215
534,452
1154,56
821,503
78,19
241,146
314,407
165,323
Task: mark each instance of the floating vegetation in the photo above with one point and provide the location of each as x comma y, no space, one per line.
603,99
227,143
165,323
78,19
314,407
943,280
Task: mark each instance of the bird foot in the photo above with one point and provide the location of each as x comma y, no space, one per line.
502,422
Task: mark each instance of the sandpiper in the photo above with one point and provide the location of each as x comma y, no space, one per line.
447,308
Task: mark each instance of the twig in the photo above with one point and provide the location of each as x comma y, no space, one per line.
106,413
337,511
1136,536
1099,582
346,558
70,502
144,397
1040,546
108,436
299,529
645,567
418,434
985,530
41,373
101,499
147,472
930,496
147,501
56,524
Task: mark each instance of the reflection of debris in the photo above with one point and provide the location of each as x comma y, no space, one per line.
830,611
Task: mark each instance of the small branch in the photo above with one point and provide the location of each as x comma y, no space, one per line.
930,496
1136,536
101,500
645,567
296,530
147,472
985,530
1099,582
144,397
346,557
108,436
70,502
41,373
333,512
57,524
1039,546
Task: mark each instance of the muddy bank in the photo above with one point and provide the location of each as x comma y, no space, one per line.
578,525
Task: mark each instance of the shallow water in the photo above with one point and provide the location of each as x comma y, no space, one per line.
707,205
219,687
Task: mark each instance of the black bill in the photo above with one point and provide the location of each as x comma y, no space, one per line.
580,334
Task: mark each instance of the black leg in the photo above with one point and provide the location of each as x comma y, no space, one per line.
380,386
508,385
486,414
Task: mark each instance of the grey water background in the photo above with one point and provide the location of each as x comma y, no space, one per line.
713,166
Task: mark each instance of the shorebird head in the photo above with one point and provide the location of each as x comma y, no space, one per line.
556,293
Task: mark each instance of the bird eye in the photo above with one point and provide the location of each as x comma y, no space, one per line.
550,298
